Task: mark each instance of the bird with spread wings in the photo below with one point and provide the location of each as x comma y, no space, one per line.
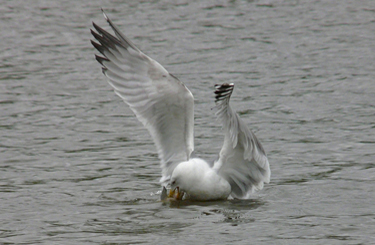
165,106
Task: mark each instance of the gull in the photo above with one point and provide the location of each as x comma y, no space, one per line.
165,106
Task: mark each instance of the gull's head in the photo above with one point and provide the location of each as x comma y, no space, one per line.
179,181
188,177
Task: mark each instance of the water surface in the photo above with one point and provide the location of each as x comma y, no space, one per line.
78,168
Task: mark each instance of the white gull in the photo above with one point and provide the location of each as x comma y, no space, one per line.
165,106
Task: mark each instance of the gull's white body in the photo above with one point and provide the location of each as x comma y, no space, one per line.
165,106
196,178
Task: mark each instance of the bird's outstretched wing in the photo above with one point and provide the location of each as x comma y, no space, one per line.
243,161
159,100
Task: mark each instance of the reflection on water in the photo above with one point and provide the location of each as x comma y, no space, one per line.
230,203
78,168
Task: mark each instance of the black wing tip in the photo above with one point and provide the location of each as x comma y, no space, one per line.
223,91
119,40
95,44
224,86
97,28
107,40
105,15
98,47
101,59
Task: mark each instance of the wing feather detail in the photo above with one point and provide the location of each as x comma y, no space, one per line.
162,103
242,160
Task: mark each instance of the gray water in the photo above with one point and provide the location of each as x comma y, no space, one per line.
78,168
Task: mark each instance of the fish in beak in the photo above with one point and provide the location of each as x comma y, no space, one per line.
176,193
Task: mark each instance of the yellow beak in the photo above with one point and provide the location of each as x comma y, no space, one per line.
171,192
176,193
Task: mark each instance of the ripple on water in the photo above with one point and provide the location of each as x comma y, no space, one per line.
78,168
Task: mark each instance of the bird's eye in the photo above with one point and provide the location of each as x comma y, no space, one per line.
173,182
